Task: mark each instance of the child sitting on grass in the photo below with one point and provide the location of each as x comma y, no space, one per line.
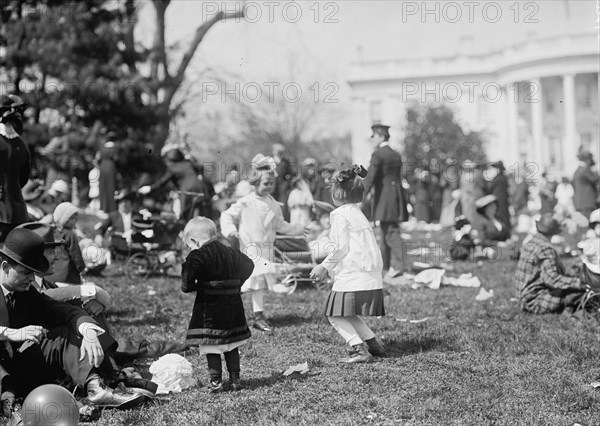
356,268
218,324
462,244
69,267
254,220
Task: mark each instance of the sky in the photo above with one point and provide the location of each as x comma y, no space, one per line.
312,44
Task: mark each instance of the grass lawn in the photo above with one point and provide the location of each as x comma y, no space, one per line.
470,363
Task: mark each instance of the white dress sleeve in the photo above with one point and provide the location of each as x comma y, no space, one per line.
339,240
230,218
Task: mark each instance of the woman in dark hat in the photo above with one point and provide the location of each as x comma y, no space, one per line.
181,173
15,164
498,186
490,228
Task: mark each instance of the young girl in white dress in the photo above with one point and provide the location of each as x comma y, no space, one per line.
254,220
356,268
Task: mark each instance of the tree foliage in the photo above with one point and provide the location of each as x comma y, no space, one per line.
78,62
432,133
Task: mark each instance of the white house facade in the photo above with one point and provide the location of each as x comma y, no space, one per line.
535,102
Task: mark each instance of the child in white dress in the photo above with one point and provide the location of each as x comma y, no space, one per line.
254,220
356,268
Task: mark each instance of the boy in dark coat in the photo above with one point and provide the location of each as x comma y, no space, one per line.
218,324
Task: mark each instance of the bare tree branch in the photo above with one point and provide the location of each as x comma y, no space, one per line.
201,31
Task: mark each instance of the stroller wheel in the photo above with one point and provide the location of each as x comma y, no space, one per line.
138,266
591,306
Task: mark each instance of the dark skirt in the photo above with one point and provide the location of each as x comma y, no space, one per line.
347,304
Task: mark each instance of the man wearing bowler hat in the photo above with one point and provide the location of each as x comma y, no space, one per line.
385,177
42,339
542,284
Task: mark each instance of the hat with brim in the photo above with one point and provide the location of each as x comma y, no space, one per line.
26,248
485,201
45,231
548,225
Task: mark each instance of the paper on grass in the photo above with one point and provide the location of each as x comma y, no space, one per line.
484,295
299,368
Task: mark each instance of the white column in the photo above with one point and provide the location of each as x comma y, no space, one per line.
512,115
360,131
569,145
537,125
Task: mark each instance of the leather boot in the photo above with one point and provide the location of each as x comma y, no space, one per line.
234,382
101,395
376,347
358,353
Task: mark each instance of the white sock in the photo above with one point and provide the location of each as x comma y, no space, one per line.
343,326
361,328
258,303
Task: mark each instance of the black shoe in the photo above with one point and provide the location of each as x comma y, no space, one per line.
234,382
376,348
262,325
101,395
215,386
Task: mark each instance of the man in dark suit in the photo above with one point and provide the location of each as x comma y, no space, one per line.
121,221
42,339
385,177
15,165
585,184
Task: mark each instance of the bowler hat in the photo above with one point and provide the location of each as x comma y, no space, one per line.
548,225
26,248
45,231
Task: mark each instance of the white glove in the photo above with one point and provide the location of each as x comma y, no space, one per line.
145,190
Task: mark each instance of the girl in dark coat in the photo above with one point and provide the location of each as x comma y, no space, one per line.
108,178
218,325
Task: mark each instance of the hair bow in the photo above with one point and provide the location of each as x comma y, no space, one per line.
351,173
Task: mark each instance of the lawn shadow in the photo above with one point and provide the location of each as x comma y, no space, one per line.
273,379
400,348
288,320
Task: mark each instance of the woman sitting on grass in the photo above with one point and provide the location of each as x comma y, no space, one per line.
356,267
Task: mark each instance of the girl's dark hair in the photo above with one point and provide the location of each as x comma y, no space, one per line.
347,185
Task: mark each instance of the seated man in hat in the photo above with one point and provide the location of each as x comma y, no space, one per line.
541,281
42,339
121,220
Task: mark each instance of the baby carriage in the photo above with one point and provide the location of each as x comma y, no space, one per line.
294,259
155,249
